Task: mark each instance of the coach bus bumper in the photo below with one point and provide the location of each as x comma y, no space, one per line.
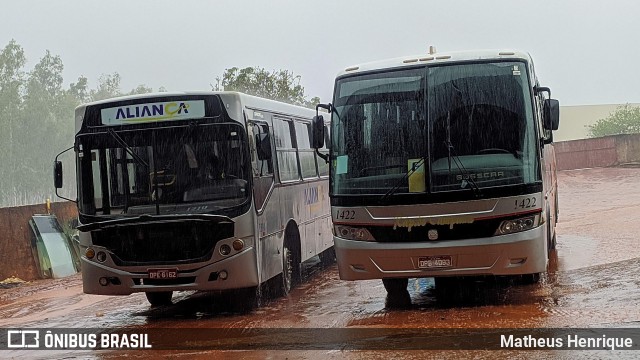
512,254
240,269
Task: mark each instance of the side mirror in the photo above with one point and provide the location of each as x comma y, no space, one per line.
263,146
551,114
57,174
317,132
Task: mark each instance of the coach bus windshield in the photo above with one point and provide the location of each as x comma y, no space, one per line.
188,168
434,129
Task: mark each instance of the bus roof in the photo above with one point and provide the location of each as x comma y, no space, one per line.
231,99
440,58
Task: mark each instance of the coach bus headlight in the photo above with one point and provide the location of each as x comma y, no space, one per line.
517,225
353,233
90,253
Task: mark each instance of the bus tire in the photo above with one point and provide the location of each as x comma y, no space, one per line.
290,275
159,298
395,286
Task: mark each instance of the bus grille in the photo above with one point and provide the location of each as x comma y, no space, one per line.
162,243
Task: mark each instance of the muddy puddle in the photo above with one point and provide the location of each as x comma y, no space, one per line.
592,282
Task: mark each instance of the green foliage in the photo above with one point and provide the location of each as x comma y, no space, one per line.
37,122
624,120
108,87
140,89
281,85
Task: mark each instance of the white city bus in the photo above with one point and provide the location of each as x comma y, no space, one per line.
442,165
197,191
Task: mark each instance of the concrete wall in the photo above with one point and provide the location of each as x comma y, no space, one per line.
575,120
16,258
598,152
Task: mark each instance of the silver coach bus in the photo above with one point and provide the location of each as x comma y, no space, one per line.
442,165
197,191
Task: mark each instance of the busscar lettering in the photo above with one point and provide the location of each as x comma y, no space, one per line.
485,175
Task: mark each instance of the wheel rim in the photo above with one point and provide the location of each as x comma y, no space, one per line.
287,270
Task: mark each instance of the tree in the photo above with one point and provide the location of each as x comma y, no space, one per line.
141,89
312,103
281,85
46,127
108,87
12,61
79,90
624,120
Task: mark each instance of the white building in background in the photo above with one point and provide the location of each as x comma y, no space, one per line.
575,120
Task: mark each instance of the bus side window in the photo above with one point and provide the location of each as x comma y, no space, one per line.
262,169
285,150
305,152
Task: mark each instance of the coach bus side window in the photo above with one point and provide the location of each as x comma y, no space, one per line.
285,150
305,152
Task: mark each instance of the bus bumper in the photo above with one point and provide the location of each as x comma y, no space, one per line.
240,268
513,254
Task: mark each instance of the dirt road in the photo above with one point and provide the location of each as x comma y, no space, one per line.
592,282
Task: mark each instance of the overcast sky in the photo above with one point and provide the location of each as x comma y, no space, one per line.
587,51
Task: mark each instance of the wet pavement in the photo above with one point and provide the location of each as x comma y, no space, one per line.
592,282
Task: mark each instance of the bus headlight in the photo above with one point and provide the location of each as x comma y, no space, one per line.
517,225
353,233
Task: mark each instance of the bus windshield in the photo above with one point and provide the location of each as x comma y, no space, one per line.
465,126
181,167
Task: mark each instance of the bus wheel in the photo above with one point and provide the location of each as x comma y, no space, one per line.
290,276
395,286
290,270
159,298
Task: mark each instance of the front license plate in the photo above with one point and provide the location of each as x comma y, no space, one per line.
434,262
163,273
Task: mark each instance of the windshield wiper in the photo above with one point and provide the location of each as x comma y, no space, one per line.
416,165
127,148
139,160
461,169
